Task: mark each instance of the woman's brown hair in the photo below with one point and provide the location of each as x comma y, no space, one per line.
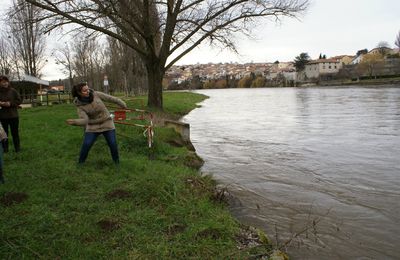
76,90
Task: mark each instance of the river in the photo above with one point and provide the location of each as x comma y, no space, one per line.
318,167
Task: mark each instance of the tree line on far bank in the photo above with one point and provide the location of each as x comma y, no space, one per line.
250,81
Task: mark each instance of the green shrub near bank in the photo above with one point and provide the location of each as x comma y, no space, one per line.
144,209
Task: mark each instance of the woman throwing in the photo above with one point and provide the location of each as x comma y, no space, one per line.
96,119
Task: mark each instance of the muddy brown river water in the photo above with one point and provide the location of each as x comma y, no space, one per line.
325,160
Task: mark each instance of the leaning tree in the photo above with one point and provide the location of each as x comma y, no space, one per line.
164,31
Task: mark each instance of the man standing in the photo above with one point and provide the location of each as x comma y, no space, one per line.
9,102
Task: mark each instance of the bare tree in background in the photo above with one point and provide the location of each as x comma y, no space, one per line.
397,41
64,56
10,63
5,56
124,68
88,60
371,64
81,58
26,37
162,32
383,48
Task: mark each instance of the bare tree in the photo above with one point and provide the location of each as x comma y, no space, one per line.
397,41
164,31
88,60
371,64
64,56
383,48
26,37
125,68
5,56
9,59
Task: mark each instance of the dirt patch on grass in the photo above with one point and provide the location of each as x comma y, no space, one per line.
108,225
174,229
119,194
209,233
10,198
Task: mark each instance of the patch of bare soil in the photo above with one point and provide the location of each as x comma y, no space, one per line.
10,198
108,225
209,233
175,229
118,194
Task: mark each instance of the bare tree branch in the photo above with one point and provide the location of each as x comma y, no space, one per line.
159,30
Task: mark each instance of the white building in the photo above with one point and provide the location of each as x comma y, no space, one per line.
357,59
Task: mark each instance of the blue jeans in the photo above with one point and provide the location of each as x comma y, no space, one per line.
90,138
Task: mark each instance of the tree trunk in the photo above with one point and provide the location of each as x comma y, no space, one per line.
155,74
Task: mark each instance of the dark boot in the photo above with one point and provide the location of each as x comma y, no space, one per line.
4,143
17,145
1,176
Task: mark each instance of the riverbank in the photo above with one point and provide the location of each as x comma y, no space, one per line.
369,82
146,209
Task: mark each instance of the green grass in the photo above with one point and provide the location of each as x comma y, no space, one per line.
176,104
143,209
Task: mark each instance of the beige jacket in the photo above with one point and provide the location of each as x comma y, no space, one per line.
94,116
3,134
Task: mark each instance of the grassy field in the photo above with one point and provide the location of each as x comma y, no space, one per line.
142,209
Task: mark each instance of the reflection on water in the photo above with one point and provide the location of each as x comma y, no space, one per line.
293,155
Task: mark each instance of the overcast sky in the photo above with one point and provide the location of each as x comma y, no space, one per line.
331,27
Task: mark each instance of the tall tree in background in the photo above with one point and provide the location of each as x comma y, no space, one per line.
162,32
88,60
64,57
26,37
10,63
5,56
125,69
301,61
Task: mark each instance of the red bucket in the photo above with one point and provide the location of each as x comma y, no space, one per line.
119,115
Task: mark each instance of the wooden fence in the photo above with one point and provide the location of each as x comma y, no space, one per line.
47,99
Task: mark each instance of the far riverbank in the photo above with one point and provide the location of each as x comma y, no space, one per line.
369,82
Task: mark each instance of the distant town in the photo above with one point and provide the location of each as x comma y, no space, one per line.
376,63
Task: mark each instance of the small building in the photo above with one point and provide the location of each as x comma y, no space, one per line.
357,59
322,68
381,50
344,59
28,87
